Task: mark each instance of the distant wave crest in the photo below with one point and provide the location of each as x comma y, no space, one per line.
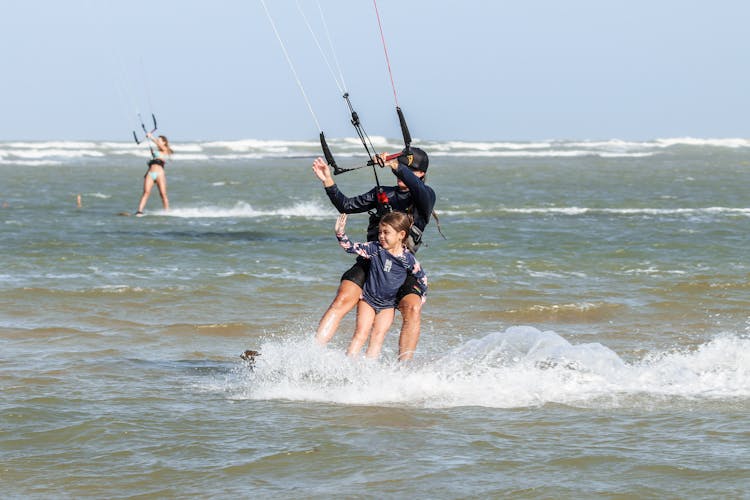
26,152
246,210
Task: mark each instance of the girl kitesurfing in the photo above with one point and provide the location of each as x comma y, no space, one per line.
391,264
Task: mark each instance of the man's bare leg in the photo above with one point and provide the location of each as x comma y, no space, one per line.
411,310
346,298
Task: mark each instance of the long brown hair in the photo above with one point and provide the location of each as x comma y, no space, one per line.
398,221
166,143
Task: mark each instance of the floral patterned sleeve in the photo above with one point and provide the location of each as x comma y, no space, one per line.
418,272
365,250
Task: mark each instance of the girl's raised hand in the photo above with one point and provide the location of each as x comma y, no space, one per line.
340,224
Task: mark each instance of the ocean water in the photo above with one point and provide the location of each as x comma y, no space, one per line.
586,333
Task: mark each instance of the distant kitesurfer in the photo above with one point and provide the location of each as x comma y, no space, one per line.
155,173
410,195
390,264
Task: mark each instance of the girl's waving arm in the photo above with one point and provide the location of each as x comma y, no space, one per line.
365,250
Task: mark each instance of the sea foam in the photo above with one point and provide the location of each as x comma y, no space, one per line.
518,367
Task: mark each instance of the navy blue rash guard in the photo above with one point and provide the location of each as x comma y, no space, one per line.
418,201
387,272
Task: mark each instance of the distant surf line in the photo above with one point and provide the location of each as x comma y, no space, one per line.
575,211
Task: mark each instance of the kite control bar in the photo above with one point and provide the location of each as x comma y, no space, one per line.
143,126
407,143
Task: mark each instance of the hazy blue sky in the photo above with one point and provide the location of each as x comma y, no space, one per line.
469,70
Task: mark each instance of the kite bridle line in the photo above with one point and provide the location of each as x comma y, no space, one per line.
374,159
144,79
384,205
401,119
323,143
341,84
291,66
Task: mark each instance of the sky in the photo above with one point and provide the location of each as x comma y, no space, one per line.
472,70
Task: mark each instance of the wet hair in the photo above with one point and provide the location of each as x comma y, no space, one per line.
398,221
166,143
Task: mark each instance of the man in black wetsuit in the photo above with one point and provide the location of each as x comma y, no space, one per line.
410,195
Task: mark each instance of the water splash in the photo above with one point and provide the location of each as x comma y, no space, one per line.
518,367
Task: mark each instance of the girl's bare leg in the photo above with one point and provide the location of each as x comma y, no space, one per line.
365,317
383,321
